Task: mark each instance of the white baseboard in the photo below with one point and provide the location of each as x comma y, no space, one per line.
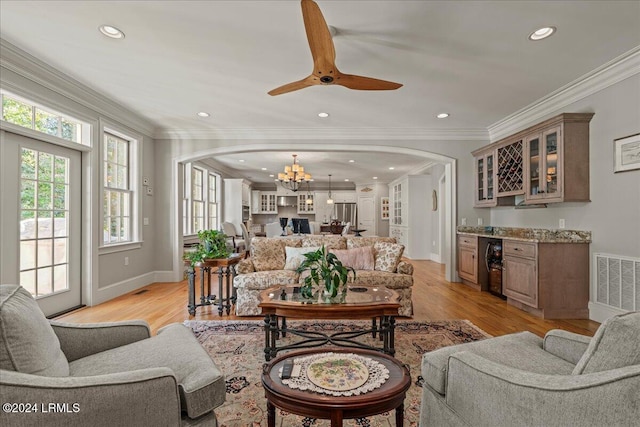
120,288
165,276
435,258
601,312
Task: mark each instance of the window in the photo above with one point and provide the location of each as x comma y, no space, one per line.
197,199
29,115
213,202
200,207
118,224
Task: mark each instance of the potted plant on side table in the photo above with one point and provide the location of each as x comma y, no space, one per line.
213,245
327,274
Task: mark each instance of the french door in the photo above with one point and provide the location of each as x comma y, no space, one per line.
41,221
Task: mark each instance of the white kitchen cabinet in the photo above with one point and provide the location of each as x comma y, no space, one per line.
246,193
303,206
268,203
235,197
264,202
410,224
255,202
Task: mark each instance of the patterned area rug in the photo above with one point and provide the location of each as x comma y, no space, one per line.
237,348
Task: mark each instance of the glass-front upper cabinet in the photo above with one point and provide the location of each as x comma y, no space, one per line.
396,218
485,179
544,175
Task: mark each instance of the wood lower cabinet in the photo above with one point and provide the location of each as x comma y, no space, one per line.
520,272
468,260
548,280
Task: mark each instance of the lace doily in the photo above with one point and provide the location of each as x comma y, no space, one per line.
338,374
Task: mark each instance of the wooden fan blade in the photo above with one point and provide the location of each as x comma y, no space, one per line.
365,83
290,87
318,35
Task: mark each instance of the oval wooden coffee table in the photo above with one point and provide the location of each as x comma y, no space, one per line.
387,397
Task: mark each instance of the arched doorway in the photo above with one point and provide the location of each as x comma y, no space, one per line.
448,256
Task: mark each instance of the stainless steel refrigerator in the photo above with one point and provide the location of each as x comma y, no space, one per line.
346,212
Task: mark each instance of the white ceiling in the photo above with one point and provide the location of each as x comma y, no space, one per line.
469,58
363,169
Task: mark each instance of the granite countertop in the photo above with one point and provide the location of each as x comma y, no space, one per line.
538,235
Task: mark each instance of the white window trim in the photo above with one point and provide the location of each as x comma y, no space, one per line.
135,181
85,128
188,195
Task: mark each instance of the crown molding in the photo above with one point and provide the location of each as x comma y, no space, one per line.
324,133
614,71
28,66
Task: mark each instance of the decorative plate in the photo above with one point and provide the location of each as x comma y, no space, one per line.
338,373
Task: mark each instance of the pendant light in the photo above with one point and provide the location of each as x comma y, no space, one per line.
309,199
330,199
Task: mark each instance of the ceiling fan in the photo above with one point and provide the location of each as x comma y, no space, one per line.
325,71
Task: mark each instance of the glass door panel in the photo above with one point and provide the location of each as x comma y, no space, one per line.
534,166
41,228
481,196
551,162
490,177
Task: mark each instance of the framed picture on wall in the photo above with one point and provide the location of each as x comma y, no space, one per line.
384,208
626,153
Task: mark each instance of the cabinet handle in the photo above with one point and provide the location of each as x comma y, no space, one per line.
517,249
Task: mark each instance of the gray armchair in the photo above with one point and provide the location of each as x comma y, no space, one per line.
519,379
101,374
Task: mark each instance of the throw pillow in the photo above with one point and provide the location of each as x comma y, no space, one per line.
357,258
387,256
615,345
295,256
358,242
29,344
329,242
267,253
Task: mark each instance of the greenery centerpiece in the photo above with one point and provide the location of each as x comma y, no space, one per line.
326,273
213,245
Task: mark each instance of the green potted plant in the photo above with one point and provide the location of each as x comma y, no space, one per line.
327,273
213,245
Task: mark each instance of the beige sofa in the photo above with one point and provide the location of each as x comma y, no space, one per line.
266,267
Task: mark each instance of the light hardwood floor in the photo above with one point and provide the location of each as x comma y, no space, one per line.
433,299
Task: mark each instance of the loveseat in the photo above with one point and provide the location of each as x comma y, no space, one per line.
520,379
268,266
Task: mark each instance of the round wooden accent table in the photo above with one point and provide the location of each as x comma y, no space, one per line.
387,397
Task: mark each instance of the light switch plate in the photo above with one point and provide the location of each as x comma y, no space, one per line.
145,221
145,181
561,223
464,221
480,221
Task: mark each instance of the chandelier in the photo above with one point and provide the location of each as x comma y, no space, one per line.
293,175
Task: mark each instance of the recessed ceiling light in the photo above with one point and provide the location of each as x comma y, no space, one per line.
241,160
203,114
323,115
346,179
375,177
352,161
271,176
264,169
542,33
111,31
442,115
391,168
